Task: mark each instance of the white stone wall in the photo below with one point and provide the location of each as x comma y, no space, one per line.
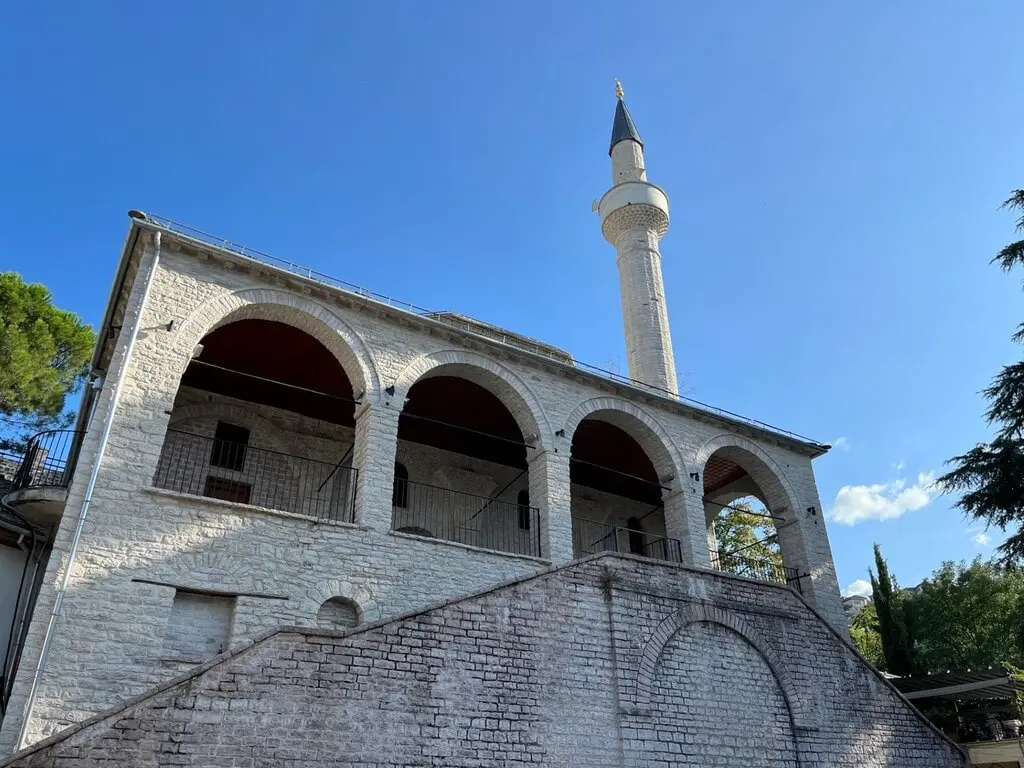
198,628
140,544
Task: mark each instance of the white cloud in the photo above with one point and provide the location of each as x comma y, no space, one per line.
900,465
860,587
841,443
980,536
883,501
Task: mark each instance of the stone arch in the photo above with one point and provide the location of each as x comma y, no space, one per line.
207,569
514,393
780,498
353,591
642,427
339,613
761,467
300,312
800,716
775,492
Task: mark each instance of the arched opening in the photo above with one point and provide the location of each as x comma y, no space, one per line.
616,494
745,517
338,613
263,415
465,461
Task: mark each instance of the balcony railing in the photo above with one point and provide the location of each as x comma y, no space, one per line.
479,521
762,570
590,537
49,460
206,466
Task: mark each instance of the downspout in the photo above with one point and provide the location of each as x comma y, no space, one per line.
93,474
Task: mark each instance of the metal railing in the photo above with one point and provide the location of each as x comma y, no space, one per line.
590,537
762,570
205,466
478,521
530,345
49,460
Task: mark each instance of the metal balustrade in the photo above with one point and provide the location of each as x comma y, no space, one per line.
590,537
762,570
442,513
49,460
207,466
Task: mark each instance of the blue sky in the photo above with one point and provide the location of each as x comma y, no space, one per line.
835,174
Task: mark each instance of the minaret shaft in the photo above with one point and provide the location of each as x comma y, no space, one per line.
644,314
634,217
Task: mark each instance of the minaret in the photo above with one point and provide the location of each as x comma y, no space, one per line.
634,217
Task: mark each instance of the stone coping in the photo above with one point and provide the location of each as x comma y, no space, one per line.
239,507
470,547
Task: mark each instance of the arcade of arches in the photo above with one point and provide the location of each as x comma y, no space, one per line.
266,415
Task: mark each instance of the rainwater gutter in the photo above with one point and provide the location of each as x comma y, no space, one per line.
93,474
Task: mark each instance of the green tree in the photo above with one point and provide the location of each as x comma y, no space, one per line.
897,646
866,637
968,616
748,533
990,477
44,356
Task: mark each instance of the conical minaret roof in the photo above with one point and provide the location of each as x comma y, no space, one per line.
623,129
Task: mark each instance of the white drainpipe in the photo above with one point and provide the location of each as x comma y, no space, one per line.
93,474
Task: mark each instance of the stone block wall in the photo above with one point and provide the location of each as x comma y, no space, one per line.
139,545
611,661
199,627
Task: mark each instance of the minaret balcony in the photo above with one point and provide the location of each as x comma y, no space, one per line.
633,203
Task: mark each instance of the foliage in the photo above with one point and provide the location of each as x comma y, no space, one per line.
866,637
1016,673
742,530
892,622
990,476
44,355
968,616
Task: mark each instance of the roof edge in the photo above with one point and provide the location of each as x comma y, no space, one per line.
799,443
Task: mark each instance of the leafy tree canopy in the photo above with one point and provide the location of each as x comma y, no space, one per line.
44,356
968,616
744,530
866,637
964,616
990,477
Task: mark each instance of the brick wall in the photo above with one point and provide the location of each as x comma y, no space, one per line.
609,662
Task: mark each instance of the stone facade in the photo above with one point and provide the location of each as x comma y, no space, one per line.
611,661
141,544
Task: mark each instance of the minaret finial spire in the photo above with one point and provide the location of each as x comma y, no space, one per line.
619,93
